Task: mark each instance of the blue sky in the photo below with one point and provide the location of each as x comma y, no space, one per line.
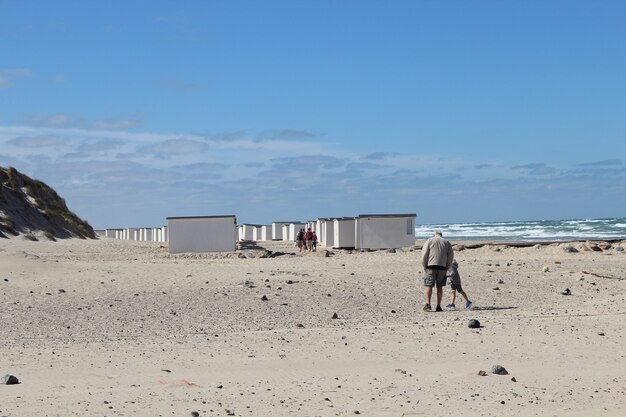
455,110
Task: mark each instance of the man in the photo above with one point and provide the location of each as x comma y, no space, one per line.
437,257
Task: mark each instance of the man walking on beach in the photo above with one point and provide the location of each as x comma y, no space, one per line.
437,257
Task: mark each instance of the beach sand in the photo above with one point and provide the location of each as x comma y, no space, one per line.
118,328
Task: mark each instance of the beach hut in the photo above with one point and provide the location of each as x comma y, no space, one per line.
256,234
327,232
343,228
277,230
384,231
294,228
201,234
285,232
247,231
266,233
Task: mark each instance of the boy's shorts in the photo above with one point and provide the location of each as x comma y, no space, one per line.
456,287
434,277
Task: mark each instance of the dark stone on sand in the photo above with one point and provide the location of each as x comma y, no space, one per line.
570,249
482,373
392,250
473,324
264,298
513,379
499,370
9,380
195,414
619,249
566,291
299,325
335,316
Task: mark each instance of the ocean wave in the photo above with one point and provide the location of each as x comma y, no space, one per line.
530,230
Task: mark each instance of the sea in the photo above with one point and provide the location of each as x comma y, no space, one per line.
523,231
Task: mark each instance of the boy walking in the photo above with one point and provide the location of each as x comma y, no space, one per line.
455,283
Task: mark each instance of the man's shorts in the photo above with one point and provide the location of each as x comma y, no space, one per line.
456,287
434,277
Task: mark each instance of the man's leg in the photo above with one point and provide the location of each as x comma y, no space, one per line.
439,295
429,294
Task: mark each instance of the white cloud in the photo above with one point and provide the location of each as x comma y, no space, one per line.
43,141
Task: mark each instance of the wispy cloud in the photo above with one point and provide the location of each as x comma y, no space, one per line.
174,147
65,120
260,173
8,76
604,163
535,168
177,84
43,141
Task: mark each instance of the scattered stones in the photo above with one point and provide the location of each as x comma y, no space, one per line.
601,334
324,253
605,245
513,379
195,414
499,370
482,373
61,291
496,288
335,316
392,250
566,291
570,249
249,284
458,248
300,326
473,324
500,281
264,298
619,249
9,380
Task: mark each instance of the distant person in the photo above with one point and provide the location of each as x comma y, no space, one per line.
308,238
314,241
437,257
300,240
454,279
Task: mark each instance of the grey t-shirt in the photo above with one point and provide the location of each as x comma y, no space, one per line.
453,275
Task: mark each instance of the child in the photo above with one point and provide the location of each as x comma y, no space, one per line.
455,283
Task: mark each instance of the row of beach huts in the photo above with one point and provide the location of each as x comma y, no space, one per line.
198,234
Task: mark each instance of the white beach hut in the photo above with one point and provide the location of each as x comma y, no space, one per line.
201,234
344,230
294,228
277,230
247,231
384,231
327,232
285,232
266,233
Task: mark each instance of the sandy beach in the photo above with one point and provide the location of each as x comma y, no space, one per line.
121,328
